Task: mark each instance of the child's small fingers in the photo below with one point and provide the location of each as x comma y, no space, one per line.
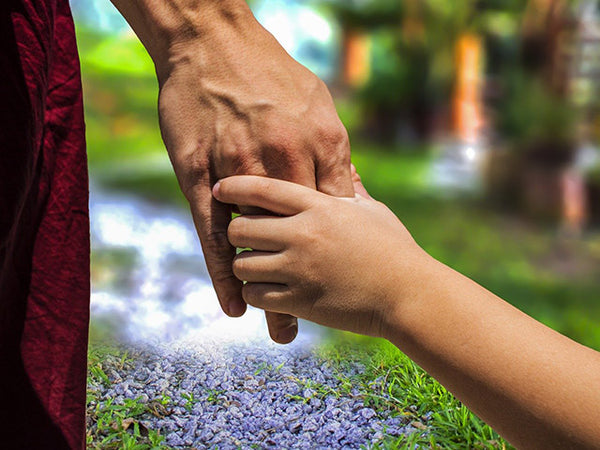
259,267
266,233
270,297
277,196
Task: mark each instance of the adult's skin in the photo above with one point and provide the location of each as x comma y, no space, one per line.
232,101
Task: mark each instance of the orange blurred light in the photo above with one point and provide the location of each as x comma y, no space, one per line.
467,108
357,64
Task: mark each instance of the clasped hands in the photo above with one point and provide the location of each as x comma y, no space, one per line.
316,256
233,102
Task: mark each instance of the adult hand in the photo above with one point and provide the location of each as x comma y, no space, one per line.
232,101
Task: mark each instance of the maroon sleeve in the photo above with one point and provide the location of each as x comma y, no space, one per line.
44,229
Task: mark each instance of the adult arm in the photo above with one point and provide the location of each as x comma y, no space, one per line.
232,101
351,264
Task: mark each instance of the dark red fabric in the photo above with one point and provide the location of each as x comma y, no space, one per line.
44,229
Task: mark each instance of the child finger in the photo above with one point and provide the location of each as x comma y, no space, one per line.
266,233
260,267
277,196
270,297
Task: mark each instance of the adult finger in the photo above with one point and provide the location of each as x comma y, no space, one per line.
266,233
277,302
212,219
283,328
277,196
260,267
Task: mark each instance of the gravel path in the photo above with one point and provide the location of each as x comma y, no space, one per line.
257,395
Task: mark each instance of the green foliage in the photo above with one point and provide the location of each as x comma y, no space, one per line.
262,367
530,113
404,74
213,395
120,94
114,54
165,399
320,390
367,14
413,56
190,401
413,72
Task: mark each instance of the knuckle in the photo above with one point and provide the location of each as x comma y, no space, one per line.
307,234
250,295
221,275
333,136
217,246
235,143
239,267
235,160
232,152
193,171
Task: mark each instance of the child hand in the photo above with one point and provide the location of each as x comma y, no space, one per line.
339,262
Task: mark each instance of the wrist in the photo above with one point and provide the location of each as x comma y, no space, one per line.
171,29
199,34
413,277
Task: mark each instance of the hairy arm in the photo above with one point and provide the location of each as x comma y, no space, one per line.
351,264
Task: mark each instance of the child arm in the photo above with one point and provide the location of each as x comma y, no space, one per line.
351,264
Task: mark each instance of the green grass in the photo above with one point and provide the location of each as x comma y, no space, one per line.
392,382
112,425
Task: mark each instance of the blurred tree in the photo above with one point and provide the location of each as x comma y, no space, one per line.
413,67
536,121
528,62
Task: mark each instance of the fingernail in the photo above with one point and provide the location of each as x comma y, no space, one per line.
287,334
237,309
216,188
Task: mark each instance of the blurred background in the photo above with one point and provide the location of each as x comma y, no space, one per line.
477,122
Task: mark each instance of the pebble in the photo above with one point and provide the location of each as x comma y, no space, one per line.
248,395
